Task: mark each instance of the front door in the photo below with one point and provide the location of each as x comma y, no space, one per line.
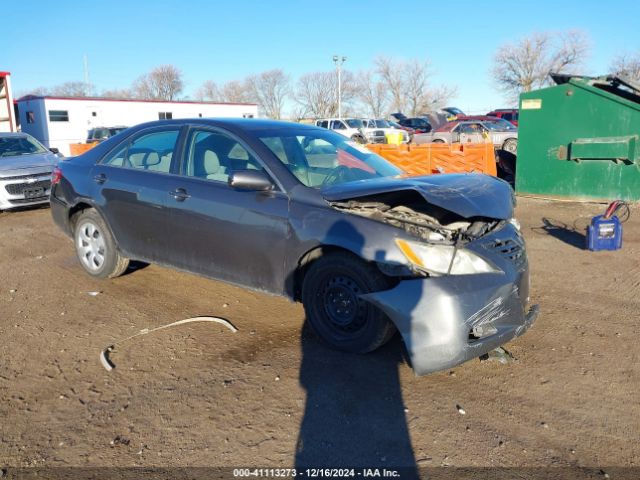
233,235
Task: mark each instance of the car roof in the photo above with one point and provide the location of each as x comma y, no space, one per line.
231,124
13,134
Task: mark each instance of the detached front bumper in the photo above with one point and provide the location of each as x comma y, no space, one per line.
448,320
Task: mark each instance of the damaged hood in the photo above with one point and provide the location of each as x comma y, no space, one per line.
468,195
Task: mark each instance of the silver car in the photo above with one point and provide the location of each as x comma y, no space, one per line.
503,135
25,171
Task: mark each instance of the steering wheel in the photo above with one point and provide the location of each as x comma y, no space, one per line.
336,174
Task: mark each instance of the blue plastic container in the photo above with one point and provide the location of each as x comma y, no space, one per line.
604,234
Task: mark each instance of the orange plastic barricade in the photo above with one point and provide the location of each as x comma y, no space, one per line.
432,158
80,148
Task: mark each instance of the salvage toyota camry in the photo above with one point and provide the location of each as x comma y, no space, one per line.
303,212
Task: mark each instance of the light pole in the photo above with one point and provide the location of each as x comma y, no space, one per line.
339,60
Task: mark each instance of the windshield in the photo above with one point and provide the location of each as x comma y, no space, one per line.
382,124
499,125
20,145
354,122
318,158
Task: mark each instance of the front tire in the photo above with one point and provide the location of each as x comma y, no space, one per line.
96,248
359,139
330,295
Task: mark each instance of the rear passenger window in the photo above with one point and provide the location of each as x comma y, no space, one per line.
214,156
150,152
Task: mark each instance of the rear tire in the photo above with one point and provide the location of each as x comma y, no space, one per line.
511,146
95,246
438,140
334,311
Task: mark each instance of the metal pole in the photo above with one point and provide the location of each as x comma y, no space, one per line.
339,91
339,60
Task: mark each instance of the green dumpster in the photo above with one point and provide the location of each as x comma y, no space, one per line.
580,139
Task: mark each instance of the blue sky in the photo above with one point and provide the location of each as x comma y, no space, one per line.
45,41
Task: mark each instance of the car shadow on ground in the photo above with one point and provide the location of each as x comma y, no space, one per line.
562,231
354,414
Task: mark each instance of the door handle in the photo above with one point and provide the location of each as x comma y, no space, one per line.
100,178
180,194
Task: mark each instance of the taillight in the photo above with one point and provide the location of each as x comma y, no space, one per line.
56,176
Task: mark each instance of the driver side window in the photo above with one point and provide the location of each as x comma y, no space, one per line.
214,156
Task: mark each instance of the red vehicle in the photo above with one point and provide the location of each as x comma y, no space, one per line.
508,114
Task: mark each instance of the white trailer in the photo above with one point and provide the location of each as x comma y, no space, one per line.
7,112
60,121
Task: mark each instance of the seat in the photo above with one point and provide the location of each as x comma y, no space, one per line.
211,167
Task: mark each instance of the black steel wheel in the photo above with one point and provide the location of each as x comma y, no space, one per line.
331,297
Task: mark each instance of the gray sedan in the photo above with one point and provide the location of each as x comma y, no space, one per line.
501,133
306,213
25,171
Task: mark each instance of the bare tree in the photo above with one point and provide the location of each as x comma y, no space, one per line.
208,91
317,93
391,74
408,85
161,83
270,90
73,89
525,66
237,91
373,93
67,89
627,66
120,93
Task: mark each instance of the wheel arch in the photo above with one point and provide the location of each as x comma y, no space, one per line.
80,207
307,259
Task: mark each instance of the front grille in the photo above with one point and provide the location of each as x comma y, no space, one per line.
17,188
23,201
510,247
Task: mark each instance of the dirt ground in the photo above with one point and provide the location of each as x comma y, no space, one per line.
271,395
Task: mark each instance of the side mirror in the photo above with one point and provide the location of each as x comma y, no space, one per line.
254,180
54,150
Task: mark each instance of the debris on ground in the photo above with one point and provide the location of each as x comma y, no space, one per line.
498,355
120,440
104,354
461,410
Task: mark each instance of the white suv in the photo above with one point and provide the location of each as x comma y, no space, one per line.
353,128
384,126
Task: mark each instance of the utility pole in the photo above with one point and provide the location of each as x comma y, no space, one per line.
86,73
339,60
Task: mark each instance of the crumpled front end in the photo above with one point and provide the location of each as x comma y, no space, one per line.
447,320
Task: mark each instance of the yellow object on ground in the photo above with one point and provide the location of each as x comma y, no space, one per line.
393,138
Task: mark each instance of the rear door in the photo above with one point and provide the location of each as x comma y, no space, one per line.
131,188
234,235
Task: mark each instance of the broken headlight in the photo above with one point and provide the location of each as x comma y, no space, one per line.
444,259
